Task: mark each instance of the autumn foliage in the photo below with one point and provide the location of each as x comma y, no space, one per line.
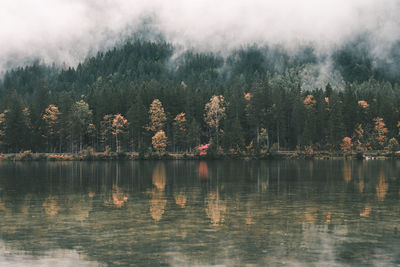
309,101
346,144
380,132
225,100
119,128
159,141
215,112
157,116
363,104
203,149
51,118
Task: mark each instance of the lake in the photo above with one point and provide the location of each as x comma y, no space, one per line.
185,213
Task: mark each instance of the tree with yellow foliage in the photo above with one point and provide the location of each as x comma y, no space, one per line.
159,141
51,118
380,132
346,145
119,129
157,116
215,113
157,120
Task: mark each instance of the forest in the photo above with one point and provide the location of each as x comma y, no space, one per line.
144,96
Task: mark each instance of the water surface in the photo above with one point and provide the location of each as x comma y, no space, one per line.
185,213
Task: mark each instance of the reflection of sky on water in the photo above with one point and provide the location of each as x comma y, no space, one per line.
166,213
52,258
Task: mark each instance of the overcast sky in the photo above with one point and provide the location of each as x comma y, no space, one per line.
68,30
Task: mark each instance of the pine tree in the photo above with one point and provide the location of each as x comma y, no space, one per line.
137,116
106,129
81,117
16,130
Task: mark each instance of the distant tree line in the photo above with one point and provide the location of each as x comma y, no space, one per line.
138,97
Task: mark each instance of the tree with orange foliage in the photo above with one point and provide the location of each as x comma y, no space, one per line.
157,116
309,101
215,113
51,118
363,104
157,120
380,132
159,141
119,129
346,145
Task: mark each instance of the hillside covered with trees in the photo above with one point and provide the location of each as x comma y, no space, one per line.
143,96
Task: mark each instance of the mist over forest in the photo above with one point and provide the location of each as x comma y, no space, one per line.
283,75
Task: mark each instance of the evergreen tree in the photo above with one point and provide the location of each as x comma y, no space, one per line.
180,131
81,117
16,130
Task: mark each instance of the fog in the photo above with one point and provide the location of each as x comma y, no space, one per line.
67,31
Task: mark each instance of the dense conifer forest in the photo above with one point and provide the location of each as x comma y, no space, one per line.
144,96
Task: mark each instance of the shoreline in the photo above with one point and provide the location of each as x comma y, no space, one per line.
133,156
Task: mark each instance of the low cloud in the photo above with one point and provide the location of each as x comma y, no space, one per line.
66,31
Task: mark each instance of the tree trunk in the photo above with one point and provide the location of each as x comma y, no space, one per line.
258,136
278,135
80,142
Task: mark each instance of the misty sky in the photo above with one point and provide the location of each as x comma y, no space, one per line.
66,31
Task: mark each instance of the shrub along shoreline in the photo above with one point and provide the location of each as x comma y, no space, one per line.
107,156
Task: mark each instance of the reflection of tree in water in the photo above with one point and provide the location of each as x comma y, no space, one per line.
73,206
117,199
310,215
360,179
215,208
3,205
158,200
328,217
366,212
381,187
180,199
26,204
78,207
288,227
203,170
157,204
249,219
118,196
50,205
310,167
159,176
347,171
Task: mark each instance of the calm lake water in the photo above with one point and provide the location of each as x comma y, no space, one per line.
185,213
